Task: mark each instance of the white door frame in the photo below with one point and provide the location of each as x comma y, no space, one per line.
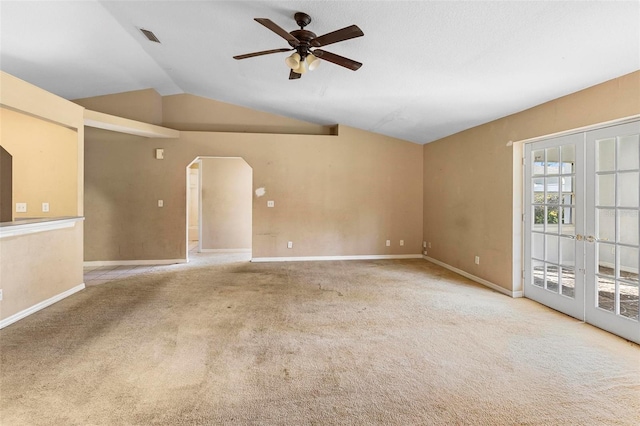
518,193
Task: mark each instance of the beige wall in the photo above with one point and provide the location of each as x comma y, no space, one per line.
189,112
226,203
469,181
141,105
6,186
335,195
38,266
193,209
194,113
45,158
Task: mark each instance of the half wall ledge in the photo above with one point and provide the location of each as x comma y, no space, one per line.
32,226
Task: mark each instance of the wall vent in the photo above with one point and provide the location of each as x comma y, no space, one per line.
151,36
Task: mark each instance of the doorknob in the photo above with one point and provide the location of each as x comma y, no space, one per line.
590,238
579,237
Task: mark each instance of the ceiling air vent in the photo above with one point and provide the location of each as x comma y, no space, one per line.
151,36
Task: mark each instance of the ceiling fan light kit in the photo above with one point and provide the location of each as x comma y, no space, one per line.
304,58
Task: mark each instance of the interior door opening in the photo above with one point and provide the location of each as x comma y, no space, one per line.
224,192
193,207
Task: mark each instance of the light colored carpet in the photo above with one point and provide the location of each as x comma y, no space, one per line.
356,342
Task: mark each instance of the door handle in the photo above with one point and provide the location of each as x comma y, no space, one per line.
590,239
579,237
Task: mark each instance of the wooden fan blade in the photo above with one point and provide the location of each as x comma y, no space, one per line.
337,59
339,35
264,52
278,30
294,75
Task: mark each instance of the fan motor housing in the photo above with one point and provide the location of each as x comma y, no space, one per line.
303,36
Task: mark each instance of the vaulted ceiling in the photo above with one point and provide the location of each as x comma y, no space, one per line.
431,68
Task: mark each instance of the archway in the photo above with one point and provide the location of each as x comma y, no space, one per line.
224,206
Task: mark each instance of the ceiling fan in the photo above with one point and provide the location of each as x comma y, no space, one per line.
304,58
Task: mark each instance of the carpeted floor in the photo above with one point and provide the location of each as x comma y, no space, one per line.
224,341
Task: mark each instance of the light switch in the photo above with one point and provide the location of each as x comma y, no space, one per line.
271,203
160,203
388,243
21,207
45,207
401,242
290,244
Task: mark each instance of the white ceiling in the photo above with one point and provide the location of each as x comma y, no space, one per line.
430,69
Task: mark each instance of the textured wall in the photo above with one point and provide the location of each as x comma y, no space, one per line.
468,177
141,105
195,113
226,203
45,158
38,266
335,194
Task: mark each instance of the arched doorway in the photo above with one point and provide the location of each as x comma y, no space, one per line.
224,205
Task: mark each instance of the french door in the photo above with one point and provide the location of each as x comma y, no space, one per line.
582,221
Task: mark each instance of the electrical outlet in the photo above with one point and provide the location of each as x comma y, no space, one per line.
45,207
477,260
401,242
21,207
424,252
160,203
290,244
271,203
388,243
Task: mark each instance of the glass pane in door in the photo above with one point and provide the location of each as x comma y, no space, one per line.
628,264
606,294
538,273
628,152
553,161
627,189
552,278
628,222
537,163
568,153
606,190
606,259
606,154
568,282
629,300
606,226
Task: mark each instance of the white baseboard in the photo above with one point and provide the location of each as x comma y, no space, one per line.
39,306
241,250
133,262
479,280
324,258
